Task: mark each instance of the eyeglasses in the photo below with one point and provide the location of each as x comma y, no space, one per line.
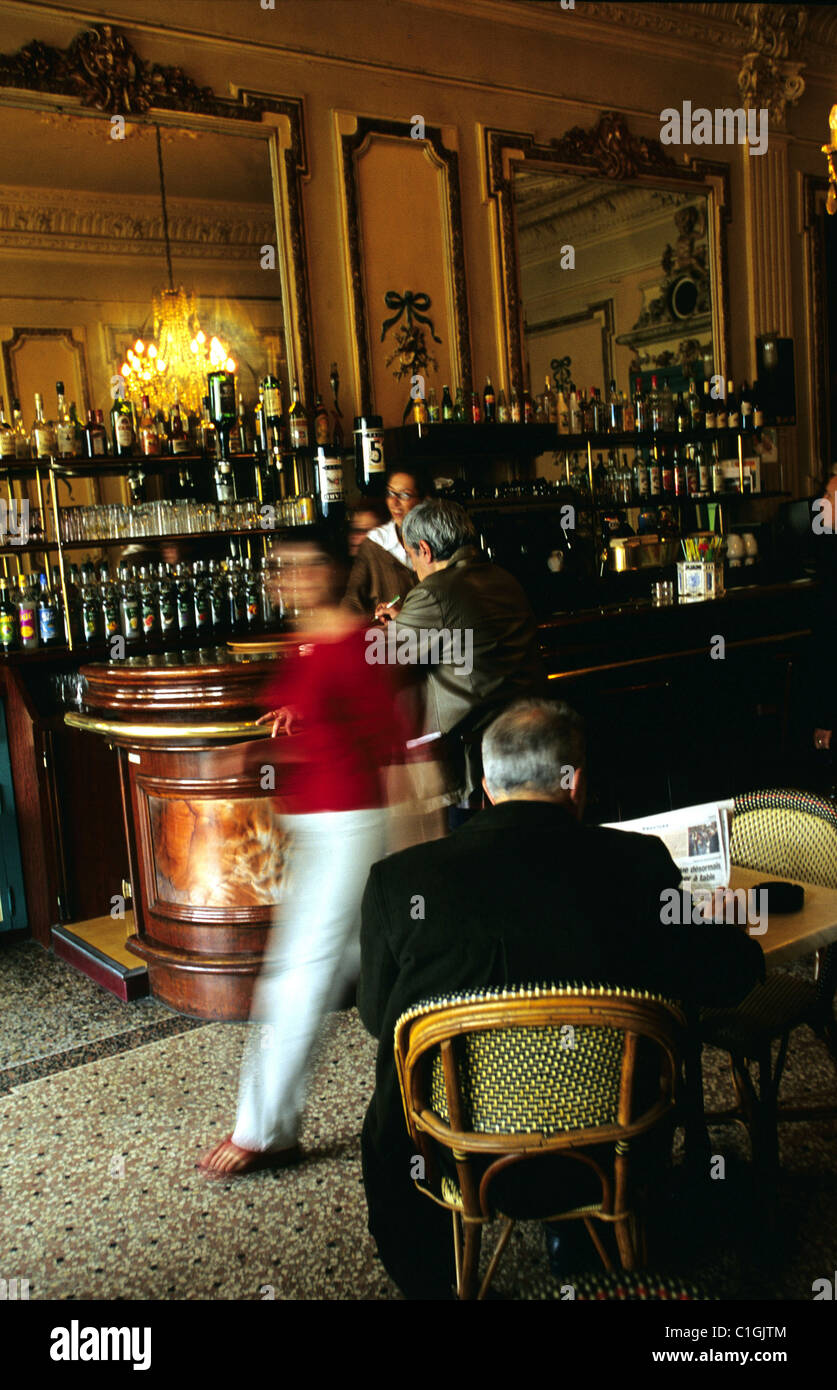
402,496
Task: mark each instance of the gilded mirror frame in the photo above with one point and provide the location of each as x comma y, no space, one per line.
100,72
607,150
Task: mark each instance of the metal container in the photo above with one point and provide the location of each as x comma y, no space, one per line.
641,552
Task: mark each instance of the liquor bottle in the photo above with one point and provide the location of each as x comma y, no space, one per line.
692,477
709,412
489,403
460,414
758,410
70,615
330,487
678,469
721,410
185,595
666,407
266,588
528,411
7,436
43,441
27,612
92,615
167,606
418,410
130,609
682,418
271,396
22,446
122,428
628,418
49,628
585,410
100,426
95,437
733,411
252,596
370,464
178,436
111,605
746,409
503,412
717,469
550,404
221,624
65,434
666,472
322,431
601,481
704,471
433,412
236,601
222,408
9,621
203,605
149,439
640,409
515,408
447,405
208,435
693,405
597,414
163,431
298,421
655,409
562,413
149,609
641,481
476,408
244,431
614,409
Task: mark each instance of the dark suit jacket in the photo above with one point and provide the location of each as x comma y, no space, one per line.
523,894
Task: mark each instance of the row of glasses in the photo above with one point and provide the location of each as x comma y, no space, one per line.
119,520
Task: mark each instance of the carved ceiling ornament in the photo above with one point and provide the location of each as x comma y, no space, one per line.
102,70
769,77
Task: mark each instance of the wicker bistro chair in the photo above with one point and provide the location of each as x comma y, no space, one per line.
529,1090
792,834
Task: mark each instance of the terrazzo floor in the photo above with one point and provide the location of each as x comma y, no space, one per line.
100,1199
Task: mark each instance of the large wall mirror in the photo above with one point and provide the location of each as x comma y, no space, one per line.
107,158
612,259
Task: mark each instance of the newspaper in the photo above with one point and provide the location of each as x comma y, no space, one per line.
696,837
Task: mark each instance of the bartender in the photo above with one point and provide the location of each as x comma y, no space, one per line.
382,572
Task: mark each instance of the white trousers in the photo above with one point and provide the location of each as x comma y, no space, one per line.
313,955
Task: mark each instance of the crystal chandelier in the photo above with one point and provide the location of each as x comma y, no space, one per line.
177,360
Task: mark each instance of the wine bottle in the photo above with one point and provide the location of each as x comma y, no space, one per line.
693,404
43,442
330,485
149,439
65,434
94,437
655,409
746,409
489,403
9,621
22,446
178,436
49,629
122,427
710,415
298,421
614,409
447,405
640,408
7,436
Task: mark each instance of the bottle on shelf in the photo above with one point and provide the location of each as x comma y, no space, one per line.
111,604
22,446
433,412
9,620
49,617
185,596
330,487
489,403
209,437
733,409
7,436
149,439
69,614
253,597
515,409
717,469
370,464
122,428
692,476
65,432
130,610
721,409
297,421
682,418
27,612
704,470
322,424
550,403
694,408
758,410
92,611
666,407
655,408
641,482
42,438
476,408
746,409
203,604
709,412
640,408
236,601
95,437
678,471
221,625
528,410
447,406
418,410
178,438
149,608
614,409
503,412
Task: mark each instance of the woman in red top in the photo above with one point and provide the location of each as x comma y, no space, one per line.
333,712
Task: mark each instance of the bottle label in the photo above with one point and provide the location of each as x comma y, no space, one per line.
44,441
372,442
272,401
124,431
321,430
91,624
150,440
66,436
98,444
331,479
7,445
7,629
734,420
299,433
47,620
28,622
179,444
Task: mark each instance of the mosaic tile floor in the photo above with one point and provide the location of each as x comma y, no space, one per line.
99,1197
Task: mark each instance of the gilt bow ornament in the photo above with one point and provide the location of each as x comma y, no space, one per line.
414,306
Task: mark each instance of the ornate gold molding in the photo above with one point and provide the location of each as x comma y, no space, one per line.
769,77
102,72
351,144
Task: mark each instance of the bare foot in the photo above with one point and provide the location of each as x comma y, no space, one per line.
230,1160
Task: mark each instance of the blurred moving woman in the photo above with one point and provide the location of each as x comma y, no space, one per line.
333,731
382,571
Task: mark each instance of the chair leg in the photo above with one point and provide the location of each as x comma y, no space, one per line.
470,1260
596,1239
625,1244
457,1250
495,1258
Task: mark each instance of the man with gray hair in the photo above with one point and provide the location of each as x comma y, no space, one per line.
473,636
523,893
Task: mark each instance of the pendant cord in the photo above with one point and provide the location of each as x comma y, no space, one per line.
165,209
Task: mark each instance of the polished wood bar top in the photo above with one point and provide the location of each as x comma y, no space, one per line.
180,683
127,732
793,934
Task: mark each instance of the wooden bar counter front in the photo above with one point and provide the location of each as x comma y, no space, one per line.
205,848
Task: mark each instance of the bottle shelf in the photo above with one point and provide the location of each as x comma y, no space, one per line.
112,465
582,502
474,441
40,547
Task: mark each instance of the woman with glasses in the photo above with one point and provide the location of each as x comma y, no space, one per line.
382,571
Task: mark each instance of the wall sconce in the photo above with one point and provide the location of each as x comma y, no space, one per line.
830,152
